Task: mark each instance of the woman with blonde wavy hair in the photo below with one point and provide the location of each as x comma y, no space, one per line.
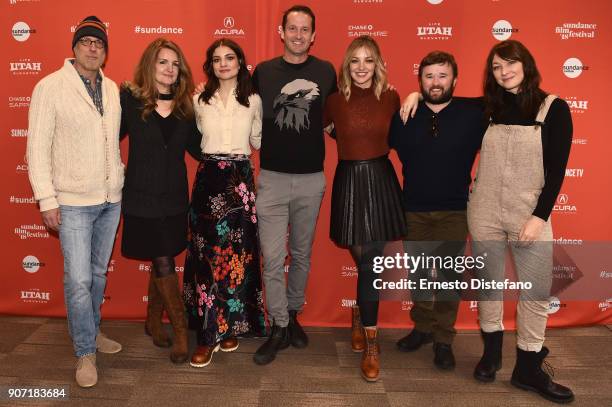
157,113
366,195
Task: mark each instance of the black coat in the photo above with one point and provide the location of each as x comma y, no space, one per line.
156,176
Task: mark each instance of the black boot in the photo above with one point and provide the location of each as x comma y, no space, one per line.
279,339
443,356
414,341
528,375
296,333
491,360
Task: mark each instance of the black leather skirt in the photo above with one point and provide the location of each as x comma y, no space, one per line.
366,203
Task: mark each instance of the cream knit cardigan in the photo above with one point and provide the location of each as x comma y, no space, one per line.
73,152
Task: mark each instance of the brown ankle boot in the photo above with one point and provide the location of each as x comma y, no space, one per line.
173,302
370,366
153,323
357,339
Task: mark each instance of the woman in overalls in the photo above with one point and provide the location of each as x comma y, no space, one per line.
522,165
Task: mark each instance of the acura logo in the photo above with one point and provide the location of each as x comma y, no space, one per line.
228,22
563,199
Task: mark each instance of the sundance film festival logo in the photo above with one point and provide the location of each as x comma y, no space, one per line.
19,133
502,30
31,264
25,67
18,102
229,28
573,67
563,205
355,30
35,295
21,31
577,106
31,232
434,31
576,30
563,272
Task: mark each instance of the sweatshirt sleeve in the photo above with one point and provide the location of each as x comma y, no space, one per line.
41,127
256,125
556,148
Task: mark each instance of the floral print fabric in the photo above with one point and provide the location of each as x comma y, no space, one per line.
222,280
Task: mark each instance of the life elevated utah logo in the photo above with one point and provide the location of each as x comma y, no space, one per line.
576,105
25,67
229,28
434,31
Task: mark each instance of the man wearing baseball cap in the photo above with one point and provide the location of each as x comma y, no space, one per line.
76,174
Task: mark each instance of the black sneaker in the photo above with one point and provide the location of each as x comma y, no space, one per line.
444,358
296,333
278,340
414,341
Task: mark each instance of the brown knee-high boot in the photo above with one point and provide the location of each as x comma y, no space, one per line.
168,288
357,339
370,366
155,310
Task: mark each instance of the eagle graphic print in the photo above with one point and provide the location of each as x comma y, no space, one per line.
292,105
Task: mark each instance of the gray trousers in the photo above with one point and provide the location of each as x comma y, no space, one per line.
287,200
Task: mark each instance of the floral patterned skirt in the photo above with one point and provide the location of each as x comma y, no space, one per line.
222,281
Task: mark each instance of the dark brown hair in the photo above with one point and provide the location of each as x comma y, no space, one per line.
438,57
244,85
530,96
299,9
143,87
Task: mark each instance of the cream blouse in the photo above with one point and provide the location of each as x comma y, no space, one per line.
228,129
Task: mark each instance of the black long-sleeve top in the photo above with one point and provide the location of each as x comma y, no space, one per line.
156,177
557,133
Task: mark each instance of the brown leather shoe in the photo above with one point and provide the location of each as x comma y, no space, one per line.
370,366
357,339
153,323
229,345
203,355
173,302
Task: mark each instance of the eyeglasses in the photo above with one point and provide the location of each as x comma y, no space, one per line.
434,125
86,42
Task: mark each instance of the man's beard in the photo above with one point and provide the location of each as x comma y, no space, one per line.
444,97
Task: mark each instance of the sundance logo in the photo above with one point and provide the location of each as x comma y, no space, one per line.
25,67
435,2
19,133
356,30
573,67
554,305
348,303
502,30
34,295
563,205
31,264
229,28
21,31
434,31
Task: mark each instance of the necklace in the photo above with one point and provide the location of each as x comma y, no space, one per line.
165,96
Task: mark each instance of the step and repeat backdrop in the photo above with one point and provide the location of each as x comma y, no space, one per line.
569,39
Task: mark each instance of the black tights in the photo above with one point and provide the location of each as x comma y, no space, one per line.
367,295
163,266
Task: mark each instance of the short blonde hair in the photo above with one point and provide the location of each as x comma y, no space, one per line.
379,80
